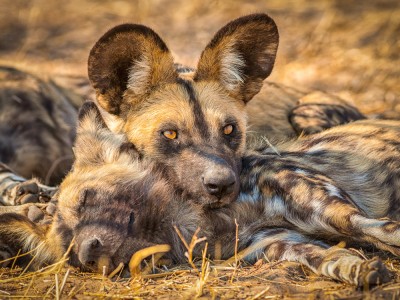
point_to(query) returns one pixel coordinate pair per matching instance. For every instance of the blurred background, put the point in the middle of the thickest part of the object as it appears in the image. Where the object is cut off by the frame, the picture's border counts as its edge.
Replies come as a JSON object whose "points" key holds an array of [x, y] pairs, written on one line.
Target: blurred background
{"points": [[347, 47]]}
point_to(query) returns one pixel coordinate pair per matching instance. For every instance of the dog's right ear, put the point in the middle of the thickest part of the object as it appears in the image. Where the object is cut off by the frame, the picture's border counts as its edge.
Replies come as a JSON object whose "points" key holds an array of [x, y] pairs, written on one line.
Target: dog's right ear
{"points": [[128, 59]]}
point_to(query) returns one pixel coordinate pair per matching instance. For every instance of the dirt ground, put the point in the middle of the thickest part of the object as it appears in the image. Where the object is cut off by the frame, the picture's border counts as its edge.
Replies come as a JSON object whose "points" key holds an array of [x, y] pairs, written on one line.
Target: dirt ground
{"points": [[282, 280], [346, 47]]}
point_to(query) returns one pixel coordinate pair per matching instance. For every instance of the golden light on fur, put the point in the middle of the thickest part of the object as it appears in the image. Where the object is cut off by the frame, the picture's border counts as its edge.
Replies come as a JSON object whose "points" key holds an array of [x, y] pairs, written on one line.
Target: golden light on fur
{"points": [[306, 59]]}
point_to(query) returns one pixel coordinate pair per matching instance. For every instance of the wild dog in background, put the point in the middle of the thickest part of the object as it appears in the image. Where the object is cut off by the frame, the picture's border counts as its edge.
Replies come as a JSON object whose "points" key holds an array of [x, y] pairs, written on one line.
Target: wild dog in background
{"points": [[37, 130], [113, 203]]}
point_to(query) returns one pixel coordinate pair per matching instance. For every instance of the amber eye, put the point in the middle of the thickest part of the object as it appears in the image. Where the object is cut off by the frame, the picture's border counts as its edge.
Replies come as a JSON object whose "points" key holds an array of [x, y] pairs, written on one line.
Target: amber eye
{"points": [[170, 134], [228, 129]]}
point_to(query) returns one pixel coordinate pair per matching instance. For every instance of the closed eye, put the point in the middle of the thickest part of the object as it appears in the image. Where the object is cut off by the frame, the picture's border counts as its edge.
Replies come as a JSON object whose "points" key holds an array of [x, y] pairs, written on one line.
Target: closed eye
{"points": [[84, 199], [131, 222]]}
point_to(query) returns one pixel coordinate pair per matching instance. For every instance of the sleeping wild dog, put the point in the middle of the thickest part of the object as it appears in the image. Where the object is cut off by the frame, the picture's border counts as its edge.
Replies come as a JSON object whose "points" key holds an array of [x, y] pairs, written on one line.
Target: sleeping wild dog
{"points": [[192, 121], [291, 206]]}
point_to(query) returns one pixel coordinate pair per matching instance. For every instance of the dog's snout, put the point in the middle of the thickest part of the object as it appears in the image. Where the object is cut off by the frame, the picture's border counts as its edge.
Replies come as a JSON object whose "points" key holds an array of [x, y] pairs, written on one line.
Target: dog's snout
{"points": [[219, 181], [90, 252]]}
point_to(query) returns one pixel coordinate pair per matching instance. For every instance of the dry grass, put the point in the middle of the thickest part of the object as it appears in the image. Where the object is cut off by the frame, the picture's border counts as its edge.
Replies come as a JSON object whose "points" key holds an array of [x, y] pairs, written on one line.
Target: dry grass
{"points": [[210, 280], [349, 48]]}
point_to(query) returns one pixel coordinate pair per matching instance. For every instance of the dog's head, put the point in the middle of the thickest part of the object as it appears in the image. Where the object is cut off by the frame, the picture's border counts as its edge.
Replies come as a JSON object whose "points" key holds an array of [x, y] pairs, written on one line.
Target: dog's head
{"points": [[113, 204], [195, 125]]}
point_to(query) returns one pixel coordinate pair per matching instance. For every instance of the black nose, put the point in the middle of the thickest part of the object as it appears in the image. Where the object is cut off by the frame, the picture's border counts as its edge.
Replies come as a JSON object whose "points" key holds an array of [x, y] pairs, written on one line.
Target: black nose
{"points": [[89, 252], [219, 181]]}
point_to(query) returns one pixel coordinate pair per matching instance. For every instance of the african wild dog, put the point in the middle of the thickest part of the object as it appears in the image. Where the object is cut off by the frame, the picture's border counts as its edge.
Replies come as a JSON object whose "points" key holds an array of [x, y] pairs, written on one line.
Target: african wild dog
{"points": [[113, 203], [194, 123], [198, 123], [145, 95]]}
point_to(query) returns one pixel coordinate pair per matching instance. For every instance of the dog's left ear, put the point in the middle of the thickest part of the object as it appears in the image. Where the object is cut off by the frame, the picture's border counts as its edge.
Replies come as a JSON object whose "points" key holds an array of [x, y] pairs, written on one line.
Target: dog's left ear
{"points": [[90, 119], [95, 143], [241, 55]]}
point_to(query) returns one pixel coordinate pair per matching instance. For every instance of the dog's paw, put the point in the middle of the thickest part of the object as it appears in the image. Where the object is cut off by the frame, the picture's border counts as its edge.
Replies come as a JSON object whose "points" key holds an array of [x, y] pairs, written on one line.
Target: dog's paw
{"points": [[373, 272], [29, 191], [314, 118], [26, 192]]}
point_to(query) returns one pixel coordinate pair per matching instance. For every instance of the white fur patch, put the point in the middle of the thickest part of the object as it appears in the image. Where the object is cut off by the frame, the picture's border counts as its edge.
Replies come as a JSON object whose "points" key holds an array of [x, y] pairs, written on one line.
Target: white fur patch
{"points": [[11, 176], [139, 75], [315, 149], [301, 172], [231, 64], [113, 122], [274, 207], [333, 190]]}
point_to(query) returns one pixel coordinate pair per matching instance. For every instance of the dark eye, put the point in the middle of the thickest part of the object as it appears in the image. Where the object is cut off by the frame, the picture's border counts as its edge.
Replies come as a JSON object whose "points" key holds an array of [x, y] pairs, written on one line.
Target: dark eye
{"points": [[170, 134], [228, 129]]}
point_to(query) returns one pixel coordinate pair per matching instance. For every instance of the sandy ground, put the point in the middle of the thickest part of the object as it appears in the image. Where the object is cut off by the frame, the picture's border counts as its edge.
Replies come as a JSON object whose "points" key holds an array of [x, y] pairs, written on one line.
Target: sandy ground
{"points": [[347, 47]]}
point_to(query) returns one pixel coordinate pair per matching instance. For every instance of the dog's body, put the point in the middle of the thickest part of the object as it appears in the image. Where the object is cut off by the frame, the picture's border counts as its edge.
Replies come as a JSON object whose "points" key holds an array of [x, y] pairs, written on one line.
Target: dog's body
{"points": [[112, 204]]}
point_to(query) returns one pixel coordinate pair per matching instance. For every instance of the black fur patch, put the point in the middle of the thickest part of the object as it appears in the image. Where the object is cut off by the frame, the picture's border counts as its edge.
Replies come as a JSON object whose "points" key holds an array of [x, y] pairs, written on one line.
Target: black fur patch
{"points": [[198, 113]]}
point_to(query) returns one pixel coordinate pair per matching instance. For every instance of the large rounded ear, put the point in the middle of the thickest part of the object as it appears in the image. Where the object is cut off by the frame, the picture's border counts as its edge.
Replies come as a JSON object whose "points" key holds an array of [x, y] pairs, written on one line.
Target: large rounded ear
{"points": [[241, 55], [132, 58]]}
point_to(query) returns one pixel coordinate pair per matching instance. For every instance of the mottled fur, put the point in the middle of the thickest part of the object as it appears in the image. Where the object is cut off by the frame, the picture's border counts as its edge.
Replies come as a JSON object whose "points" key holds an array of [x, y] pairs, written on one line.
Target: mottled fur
{"points": [[113, 204]]}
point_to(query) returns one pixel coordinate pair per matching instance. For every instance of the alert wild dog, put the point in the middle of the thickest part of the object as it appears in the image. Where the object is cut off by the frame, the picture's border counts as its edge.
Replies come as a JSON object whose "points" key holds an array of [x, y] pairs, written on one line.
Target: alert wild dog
{"points": [[194, 121], [114, 203]]}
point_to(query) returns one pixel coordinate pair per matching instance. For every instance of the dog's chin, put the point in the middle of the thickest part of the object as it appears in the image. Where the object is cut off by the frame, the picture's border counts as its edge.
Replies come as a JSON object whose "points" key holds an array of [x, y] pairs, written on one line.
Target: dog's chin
{"points": [[224, 201], [214, 205]]}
